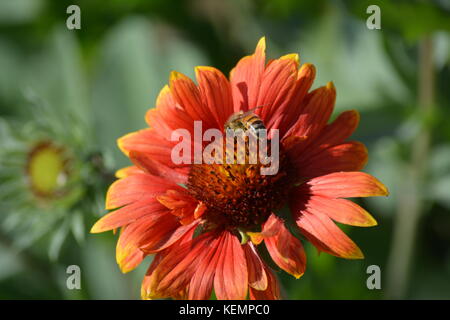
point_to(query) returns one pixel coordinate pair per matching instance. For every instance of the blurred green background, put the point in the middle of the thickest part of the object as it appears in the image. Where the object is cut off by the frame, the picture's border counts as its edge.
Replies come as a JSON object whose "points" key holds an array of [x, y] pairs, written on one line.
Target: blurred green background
{"points": [[85, 88]]}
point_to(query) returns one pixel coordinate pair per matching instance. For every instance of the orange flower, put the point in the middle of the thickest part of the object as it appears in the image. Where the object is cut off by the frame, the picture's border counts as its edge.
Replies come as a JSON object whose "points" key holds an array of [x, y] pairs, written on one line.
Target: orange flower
{"points": [[197, 218]]}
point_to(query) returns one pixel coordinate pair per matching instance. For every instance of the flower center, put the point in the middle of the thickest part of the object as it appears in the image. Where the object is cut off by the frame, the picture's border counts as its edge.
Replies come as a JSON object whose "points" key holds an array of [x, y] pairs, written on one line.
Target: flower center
{"points": [[46, 169], [239, 196]]}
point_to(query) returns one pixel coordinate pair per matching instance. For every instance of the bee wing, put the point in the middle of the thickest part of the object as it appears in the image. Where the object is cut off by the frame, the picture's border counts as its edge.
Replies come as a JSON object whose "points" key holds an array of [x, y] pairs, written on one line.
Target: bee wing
{"points": [[241, 114], [249, 112]]}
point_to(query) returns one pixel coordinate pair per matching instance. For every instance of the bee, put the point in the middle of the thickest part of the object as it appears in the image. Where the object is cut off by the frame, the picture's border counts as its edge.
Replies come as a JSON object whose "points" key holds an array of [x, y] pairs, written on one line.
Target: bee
{"points": [[246, 121]]}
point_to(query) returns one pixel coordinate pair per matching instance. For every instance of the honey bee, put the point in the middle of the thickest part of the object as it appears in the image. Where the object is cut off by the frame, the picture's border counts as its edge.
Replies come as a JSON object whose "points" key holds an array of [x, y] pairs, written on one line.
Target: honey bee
{"points": [[245, 121]]}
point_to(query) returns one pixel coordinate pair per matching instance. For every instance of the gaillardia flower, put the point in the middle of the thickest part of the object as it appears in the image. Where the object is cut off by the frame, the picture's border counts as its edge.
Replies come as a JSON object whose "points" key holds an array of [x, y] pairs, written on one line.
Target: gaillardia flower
{"points": [[43, 178], [207, 223]]}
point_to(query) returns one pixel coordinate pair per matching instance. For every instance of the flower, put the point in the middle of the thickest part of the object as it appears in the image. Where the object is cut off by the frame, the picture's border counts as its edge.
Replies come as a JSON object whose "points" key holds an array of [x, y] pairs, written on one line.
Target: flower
{"points": [[197, 218], [43, 178]]}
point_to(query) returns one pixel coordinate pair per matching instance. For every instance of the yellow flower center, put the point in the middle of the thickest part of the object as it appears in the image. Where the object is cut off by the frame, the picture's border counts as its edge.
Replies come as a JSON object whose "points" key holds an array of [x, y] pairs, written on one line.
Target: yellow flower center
{"points": [[46, 170]]}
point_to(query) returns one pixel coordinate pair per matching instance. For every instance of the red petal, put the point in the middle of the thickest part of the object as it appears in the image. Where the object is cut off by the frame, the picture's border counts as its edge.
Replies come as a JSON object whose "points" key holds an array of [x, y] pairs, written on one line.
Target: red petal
{"points": [[314, 116], [305, 79], [273, 289], [246, 78], [323, 233], [257, 277], [143, 161], [149, 230], [127, 171], [146, 140], [176, 270], [347, 185], [186, 93], [135, 188], [286, 250], [231, 280], [127, 215], [149, 289], [215, 91], [339, 130], [168, 115], [277, 83], [341, 210], [181, 204], [201, 284], [349, 156]]}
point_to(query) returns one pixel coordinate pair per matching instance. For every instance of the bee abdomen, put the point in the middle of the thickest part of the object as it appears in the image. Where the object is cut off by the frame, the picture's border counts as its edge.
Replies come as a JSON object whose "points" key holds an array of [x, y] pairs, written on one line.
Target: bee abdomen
{"points": [[255, 124]]}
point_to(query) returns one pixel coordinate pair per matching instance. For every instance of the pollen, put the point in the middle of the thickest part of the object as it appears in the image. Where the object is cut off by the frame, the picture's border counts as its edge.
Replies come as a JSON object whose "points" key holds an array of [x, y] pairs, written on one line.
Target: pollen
{"points": [[239, 196]]}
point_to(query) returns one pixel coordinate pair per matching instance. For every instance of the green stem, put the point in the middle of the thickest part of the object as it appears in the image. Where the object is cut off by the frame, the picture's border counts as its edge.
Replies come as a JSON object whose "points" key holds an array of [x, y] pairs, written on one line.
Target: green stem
{"points": [[410, 201]]}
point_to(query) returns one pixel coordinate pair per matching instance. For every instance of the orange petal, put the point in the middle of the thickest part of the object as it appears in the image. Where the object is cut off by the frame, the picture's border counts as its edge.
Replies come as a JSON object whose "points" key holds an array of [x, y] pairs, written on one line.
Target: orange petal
{"points": [[231, 279], [135, 188], [127, 171], [339, 130], [314, 115], [148, 141], [323, 233], [126, 215], [273, 289], [168, 115], [277, 82], [341, 210], [270, 229], [200, 210], [201, 284], [187, 95], [246, 78], [286, 250], [215, 91], [154, 231], [305, 78], [144, 162], [149, 230], [347, 185], [148, 287], [176, 270], [158, 269], [257, 277], [180, 203], [348, 156]]}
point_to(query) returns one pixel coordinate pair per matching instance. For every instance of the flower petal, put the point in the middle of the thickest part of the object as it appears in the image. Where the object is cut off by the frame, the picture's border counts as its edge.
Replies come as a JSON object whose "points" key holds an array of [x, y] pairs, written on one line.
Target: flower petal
{"points": [[347, 185], [148, 141], [314, 115], [277, 82], [246, 78], [339, 130], [127, 171], [155, 168], [148, 230], [176, 270], [137, 187], [187, 95], [341, 210], [323, 233], [127, 215], [201, 284], [349, 156], [168, 115], [273, 289], [286, 250], [231, 279], [180, 203], [149, 288], [257, 277], [215, 92]]}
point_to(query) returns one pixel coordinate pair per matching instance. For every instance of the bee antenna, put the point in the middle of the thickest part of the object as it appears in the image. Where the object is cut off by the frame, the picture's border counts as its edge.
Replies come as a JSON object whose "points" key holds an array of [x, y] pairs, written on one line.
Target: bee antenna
{"points": [[257, 107]]}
